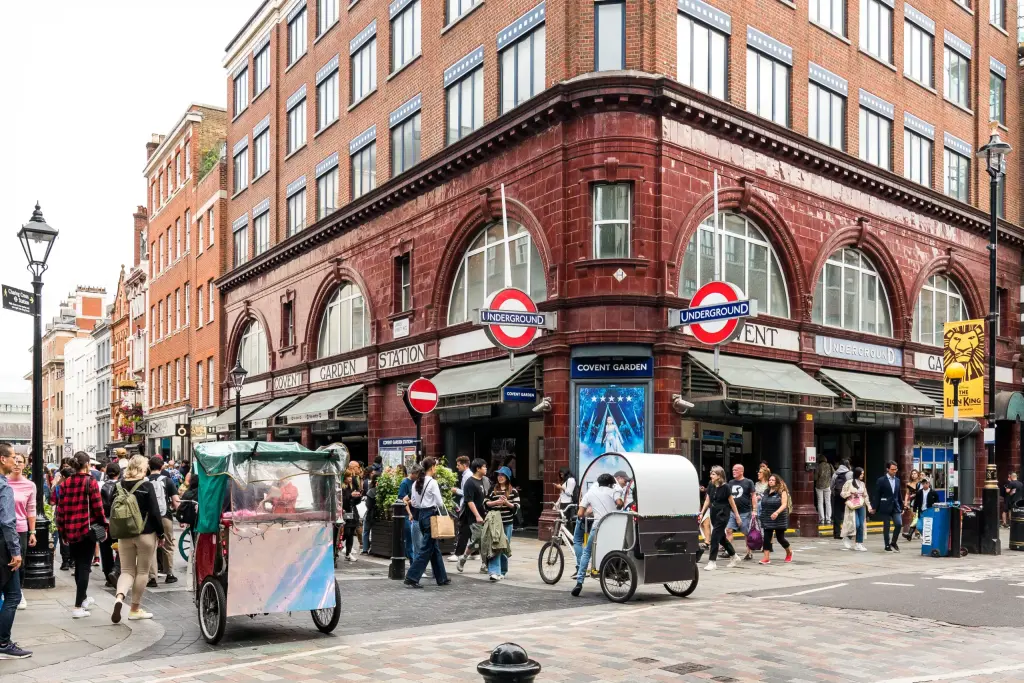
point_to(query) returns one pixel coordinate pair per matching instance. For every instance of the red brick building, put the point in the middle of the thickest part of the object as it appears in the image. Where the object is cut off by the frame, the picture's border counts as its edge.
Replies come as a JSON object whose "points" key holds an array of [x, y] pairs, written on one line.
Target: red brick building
{"points": [[368, 148], [185, 177]]}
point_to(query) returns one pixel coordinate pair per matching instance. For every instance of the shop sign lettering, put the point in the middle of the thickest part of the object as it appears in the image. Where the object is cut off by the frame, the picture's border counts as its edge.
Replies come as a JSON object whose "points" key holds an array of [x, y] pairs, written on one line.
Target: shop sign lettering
{"points": [[927, 362], [284, 382], [396, 358], [583, 368], [766, 336], [339, 370], [858, 351]]}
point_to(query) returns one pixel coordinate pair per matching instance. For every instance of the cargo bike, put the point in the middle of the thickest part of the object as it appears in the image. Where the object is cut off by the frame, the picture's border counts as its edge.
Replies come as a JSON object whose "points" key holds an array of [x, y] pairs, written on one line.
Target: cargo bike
{"points": [[264, 535], [654, 538]]}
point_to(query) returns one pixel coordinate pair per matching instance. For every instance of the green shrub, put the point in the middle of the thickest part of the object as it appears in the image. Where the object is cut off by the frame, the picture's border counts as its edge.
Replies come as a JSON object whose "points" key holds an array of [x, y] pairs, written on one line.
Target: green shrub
{"points": [[389, 481]]}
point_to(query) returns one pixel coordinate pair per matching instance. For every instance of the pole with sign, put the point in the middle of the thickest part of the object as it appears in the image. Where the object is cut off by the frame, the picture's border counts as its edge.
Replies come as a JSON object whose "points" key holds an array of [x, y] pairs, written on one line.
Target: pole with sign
{"points": [[18, 300], [716, 314], [420, 398]]}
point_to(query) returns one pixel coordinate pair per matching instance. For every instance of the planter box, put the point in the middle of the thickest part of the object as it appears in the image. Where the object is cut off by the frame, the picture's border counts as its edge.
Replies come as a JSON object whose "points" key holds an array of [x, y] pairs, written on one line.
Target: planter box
{"points": [[380, 540]]}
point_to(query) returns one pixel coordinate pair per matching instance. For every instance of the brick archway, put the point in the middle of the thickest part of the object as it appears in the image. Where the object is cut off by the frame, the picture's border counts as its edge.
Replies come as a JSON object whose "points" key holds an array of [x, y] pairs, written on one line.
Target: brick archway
{"points": [[956, 271], [248, 315], [338, 276], [746, 201]]}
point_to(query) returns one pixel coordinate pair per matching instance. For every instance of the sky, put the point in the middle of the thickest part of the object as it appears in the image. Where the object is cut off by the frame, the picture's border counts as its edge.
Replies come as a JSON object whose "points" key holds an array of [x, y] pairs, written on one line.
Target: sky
{"points": [[85, 84]]}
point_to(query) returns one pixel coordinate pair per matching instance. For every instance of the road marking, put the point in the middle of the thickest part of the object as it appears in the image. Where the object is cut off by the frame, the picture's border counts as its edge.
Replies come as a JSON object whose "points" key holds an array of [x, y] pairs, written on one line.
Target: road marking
{"points": [[613, 615], [960, 590], [956, 674], [806, 592], [885, 583]]}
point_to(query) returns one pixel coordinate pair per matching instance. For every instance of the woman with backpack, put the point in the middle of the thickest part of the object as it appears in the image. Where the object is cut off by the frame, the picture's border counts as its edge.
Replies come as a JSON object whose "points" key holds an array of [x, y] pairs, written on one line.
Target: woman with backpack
{"points": [[136, 524]]}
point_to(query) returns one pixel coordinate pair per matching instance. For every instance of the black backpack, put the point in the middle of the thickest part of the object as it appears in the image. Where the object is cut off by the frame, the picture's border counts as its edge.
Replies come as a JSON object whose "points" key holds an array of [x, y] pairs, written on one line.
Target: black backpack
{"points": [[188, 508], [838, 482]]}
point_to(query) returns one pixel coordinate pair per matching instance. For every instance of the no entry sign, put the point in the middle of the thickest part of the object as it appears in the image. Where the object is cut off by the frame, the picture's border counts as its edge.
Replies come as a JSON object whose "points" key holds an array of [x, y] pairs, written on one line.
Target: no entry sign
{"points": [[715, 314], [512, 319], [422, 395]]}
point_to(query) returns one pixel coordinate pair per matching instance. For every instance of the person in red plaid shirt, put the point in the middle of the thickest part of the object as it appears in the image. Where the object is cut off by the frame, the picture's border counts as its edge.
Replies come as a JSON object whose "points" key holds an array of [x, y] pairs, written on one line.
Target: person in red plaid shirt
{"points": [[80, 507]]}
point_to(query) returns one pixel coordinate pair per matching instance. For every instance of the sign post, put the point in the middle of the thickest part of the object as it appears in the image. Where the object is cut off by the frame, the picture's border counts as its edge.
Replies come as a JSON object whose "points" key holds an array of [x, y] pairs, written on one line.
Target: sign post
{"points": [[716, 314], [18, 300], [420, 398]]}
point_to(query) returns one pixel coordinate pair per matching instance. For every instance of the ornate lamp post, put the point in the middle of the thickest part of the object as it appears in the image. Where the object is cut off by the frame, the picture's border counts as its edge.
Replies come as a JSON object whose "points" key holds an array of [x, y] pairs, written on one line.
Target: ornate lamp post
{"points": [[36, 240], [994, 153], [236, 378]]}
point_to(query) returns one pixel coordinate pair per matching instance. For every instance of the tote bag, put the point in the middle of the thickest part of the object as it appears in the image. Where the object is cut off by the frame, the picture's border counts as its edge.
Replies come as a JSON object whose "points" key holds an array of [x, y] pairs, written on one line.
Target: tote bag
{"points": [[442, 525]]}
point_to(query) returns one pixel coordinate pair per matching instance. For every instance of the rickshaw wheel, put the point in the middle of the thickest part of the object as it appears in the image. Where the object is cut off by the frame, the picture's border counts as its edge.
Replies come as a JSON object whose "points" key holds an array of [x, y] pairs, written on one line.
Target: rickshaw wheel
{"points": [[185, 545], [212, 610], [681, 589], [326, 619], [551, 563], [618, 576]]}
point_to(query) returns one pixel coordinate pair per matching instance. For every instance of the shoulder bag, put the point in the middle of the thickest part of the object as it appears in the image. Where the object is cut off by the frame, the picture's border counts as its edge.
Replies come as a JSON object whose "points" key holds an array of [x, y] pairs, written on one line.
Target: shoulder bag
{"points": [[441, 526]]}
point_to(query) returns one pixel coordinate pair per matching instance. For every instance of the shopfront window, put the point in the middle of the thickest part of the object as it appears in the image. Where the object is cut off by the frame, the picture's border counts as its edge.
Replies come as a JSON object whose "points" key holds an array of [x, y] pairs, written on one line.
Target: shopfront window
{"points": [[939, 302], [747, 261], [346, 324], [252, 349], [850, 295], [494, 253]]}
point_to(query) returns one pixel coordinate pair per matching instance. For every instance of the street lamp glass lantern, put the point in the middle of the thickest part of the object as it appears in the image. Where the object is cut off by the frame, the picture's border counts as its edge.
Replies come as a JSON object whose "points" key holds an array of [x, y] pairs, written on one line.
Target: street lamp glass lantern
{"points": [[37, 239], [237, 376], [994, 153]]}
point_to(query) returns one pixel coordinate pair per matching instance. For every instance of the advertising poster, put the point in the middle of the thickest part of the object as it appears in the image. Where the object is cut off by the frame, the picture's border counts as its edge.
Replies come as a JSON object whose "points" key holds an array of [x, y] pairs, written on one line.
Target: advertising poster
{"points": [[610, 418], [964, 342]]}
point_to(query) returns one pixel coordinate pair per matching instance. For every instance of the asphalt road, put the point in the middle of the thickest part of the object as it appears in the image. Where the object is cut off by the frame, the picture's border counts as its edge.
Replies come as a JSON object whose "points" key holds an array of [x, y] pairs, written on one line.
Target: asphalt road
{"points": [[947, 591]]}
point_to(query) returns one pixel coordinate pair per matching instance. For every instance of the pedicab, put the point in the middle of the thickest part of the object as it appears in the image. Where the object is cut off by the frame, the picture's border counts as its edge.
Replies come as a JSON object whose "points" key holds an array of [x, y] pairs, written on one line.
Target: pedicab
{"points": [[654, 539], [264, 536]]}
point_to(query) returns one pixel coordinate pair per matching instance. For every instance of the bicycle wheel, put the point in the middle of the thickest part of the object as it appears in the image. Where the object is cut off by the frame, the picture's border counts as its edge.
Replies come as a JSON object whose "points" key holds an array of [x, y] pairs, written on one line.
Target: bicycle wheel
{"points": [[185, 545], [551, 563]]}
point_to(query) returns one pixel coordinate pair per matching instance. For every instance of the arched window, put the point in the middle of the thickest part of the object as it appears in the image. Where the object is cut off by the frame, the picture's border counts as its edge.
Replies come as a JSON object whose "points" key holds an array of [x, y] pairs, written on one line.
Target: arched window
{"points": [[252, 349], [939, 302], [496, 258], [850, 295], [747, 261], [345, 325]]}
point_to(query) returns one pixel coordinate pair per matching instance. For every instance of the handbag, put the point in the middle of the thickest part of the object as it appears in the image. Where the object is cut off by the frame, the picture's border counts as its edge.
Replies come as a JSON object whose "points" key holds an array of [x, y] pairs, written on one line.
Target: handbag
{"points": [[98, 532], [442, 526], [755, 539]]}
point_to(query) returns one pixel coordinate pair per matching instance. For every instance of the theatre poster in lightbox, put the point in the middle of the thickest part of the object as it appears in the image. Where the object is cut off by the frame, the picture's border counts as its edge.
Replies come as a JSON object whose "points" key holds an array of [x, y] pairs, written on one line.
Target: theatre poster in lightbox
{"points": [[611, 418]]}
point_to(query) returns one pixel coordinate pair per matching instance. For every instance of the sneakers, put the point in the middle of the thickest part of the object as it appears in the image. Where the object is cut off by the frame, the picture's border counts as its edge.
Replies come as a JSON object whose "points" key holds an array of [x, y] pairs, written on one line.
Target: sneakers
{"points": [[364, 552], [79, 613], [734, 562], [349, 558], [860, 547], [411, 584], [12, 651], [895, 547], [847, 545], [495, 577], [453, 558], [888, 548], [88, 602], [483, 569], [789, 557], [64, 567], [461, 563], [577, 589], [95, 561], [764, 562], [711, 566], [23, 604], [137, 614], [151, 584], [115, 616], [748, 556], [171, 579]]}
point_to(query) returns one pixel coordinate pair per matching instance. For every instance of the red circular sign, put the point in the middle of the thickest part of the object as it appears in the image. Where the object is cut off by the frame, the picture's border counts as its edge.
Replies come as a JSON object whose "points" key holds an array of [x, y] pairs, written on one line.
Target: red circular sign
{"points": [[720, 331], [422, 395], [513, 337]]}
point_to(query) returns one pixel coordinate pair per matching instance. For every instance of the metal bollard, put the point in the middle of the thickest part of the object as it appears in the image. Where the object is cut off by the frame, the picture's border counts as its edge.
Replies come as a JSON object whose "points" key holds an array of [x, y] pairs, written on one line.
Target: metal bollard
{"points": [[509, 663], [398, 518]]}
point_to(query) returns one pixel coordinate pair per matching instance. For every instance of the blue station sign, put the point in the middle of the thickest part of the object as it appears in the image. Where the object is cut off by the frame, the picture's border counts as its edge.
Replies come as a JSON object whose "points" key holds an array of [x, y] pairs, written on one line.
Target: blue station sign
{"points": [[612, 368], [490, 316], [714, 313], [519, 395]]}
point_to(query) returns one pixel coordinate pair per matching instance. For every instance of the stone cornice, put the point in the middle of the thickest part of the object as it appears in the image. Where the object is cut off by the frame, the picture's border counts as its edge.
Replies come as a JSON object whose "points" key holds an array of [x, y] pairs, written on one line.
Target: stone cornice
{"points": [[623, 91]]}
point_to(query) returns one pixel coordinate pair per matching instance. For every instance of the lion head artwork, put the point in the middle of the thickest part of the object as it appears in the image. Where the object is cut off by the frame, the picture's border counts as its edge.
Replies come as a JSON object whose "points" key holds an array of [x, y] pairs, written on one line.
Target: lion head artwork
{"points": [[965, 343]]}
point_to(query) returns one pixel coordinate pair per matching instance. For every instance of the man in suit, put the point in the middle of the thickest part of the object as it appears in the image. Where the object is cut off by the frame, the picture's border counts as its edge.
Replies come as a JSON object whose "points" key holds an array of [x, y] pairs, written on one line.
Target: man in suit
{"points": [[887, 501]]}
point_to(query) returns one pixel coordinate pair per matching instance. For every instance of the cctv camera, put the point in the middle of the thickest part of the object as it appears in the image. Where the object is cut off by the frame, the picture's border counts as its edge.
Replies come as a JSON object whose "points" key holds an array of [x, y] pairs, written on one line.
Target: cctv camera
{"points": [[544, 406], [679, 404]]}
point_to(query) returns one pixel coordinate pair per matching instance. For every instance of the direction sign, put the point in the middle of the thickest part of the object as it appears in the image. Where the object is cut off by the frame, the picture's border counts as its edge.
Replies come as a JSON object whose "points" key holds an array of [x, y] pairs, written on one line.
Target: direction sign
{"points": [[512, 320], [422, 395], [19, 300], [716, 313]]}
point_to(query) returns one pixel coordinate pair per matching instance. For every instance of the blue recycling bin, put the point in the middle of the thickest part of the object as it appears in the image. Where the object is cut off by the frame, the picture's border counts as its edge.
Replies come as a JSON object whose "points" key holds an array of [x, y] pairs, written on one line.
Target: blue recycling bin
{"points": [[935, 531]]}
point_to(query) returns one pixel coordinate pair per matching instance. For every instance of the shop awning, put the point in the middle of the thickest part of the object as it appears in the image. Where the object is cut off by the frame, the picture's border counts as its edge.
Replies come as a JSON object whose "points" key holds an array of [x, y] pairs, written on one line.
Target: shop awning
{"points": [[752, 380], [1009, 405], [225, 422], [264, 417], [482, 383], [877, 393], [322, 405]]}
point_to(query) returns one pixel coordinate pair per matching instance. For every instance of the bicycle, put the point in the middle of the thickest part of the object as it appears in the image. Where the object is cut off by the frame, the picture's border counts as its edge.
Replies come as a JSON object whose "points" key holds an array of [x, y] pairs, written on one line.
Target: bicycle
{"points": [[551, 561]]}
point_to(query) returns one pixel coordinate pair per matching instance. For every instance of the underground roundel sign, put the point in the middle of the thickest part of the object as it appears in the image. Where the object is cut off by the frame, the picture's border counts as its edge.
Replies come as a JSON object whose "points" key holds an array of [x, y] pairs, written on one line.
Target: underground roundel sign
{"points": [[716, 313], [512, 319], [422, 395]]}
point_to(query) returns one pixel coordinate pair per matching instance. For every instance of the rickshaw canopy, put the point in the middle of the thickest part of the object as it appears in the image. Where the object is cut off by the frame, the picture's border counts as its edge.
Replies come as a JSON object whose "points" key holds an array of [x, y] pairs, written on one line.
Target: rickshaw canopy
{"points": [[662, 484], [251, 462]]}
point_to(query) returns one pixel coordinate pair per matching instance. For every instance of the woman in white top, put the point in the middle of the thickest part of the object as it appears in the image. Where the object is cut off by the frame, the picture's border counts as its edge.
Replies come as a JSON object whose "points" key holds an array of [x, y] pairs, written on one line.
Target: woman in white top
{"points": [[426, 499]]}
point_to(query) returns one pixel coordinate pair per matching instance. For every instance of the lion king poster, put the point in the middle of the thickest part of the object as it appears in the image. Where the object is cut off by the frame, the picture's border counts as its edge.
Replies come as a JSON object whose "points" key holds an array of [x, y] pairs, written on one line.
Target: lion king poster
{"points": [[964, 341]]}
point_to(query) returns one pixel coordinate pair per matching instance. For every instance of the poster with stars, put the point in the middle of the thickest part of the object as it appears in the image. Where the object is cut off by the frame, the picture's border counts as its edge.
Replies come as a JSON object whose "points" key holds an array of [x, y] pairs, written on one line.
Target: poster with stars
{"points": [[610, 418]]}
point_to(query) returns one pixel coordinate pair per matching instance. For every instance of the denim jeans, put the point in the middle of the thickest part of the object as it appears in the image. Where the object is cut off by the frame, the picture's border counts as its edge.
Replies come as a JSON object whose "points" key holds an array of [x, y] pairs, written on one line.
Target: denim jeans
{"points": [[860, 516], [429, 552], [411, 547], [577, 539], [499, 563], [367, 523], [12, 598], [588, 549]]}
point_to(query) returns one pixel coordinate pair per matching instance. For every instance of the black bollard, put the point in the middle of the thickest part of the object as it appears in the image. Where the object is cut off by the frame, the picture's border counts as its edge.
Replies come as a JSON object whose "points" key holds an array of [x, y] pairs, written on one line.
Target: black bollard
{"points": [[509, 663], [399, 515]]}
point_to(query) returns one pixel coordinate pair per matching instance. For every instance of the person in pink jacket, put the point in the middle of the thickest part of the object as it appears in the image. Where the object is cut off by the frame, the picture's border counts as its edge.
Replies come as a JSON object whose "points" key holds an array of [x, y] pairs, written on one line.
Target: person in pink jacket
{"points": [[24, 511]]}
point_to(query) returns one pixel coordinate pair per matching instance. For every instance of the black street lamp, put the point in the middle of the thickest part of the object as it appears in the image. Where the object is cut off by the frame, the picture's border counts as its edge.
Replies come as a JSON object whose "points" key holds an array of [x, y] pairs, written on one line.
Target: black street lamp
{"points": [[994, 153], [237, 378], [36, 240]]}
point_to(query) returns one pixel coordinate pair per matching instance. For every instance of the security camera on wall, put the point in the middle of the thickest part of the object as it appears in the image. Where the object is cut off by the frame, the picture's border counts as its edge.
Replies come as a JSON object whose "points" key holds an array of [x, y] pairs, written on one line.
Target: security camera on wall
{"points": [[544, 406], [679, 404]]}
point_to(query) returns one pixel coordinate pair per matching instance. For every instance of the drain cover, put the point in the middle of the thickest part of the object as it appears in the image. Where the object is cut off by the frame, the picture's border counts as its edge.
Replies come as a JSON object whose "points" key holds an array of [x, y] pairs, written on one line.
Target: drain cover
{"points": [[724, 679], [685, 668], [645, 660]]}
